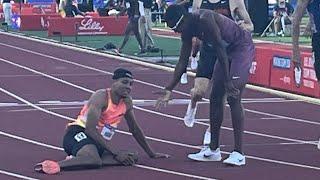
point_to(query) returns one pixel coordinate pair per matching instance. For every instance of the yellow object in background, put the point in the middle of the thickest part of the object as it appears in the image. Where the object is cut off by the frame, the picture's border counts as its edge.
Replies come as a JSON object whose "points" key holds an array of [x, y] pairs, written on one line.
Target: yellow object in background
{"points": [[62, 13]]}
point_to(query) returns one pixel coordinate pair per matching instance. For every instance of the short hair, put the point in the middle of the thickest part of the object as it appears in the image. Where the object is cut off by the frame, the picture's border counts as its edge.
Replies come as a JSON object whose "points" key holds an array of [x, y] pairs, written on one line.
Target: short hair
{"points": [[173, 14], [121, 73]]}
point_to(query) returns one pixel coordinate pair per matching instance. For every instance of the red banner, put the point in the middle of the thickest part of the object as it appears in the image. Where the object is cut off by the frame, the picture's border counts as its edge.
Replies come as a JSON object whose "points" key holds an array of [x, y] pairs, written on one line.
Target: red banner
{"points": [[260, 68], [37, 22], [110, 25]]}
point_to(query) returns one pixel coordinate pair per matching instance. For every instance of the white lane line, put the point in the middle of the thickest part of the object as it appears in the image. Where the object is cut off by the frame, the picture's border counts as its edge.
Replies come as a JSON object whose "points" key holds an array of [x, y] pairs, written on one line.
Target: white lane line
{"points": [[271, 118], [161, 140], [71, 119], [143, 109], [283, 117], [307, 99], [65, 75], [30, 141], [61, 108], [16, 175]]}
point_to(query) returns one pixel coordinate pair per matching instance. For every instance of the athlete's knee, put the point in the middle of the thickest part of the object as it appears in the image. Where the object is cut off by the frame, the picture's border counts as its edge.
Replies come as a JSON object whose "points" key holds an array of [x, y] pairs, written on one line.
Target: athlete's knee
{"points": [[200, 87], [234, 101]]}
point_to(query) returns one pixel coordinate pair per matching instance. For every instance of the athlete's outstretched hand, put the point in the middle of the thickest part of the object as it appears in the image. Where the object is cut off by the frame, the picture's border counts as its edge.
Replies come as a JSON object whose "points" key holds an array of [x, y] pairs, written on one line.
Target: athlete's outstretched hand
{"points": [[163, 99]]}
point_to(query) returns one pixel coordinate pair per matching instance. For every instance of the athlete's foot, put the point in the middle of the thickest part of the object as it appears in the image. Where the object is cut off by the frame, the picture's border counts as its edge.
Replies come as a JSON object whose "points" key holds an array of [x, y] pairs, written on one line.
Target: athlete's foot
{"points": [[189, 119], [194, 63], [184, 78], [206, 154], [142, 52], [236, 159], [47, 167], [117, 51]]}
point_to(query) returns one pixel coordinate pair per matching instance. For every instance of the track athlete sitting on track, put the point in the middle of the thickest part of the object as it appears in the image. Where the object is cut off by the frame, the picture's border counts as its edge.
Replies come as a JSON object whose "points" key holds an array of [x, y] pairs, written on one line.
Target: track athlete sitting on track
{"points": [[235, 51], [87, 139]]}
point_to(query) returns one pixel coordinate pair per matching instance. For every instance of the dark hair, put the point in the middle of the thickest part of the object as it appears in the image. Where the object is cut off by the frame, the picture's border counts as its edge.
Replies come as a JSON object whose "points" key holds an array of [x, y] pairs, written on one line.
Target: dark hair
{"points": [[173, 14], [121, 73]]}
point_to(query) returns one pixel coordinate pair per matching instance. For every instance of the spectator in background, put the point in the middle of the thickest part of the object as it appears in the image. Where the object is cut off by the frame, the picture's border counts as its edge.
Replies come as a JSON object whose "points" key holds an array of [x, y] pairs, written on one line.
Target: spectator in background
{"points": [[134, 9], [57, 5], [281, 13], [71, 9], [7, 10], [85, 5], [146, 27]]}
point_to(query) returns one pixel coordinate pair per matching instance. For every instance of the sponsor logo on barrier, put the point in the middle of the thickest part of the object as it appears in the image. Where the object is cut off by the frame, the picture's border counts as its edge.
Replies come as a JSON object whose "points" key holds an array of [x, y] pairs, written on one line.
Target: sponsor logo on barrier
{"points": [[308, 83], [281, 62], [286, 79], [308, 62], [90, 25], [253, 67]]}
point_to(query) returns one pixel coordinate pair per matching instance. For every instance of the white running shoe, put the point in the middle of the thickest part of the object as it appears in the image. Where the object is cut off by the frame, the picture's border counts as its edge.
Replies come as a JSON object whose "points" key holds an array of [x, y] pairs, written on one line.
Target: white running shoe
{"points": [[184, 78], [206, 154], [207, 138], [194, 63], [235, 158], [297, 76], [190, 117]]}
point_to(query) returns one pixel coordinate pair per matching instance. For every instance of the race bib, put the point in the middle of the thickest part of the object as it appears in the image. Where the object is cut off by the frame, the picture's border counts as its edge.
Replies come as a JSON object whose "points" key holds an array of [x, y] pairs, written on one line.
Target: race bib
{"points": [[80, 136], [107, 132]]}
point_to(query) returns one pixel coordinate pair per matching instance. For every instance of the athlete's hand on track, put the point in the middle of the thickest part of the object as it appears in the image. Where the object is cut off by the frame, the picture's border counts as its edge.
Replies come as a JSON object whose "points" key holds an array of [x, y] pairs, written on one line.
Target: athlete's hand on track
{"points": [[126, 158]]}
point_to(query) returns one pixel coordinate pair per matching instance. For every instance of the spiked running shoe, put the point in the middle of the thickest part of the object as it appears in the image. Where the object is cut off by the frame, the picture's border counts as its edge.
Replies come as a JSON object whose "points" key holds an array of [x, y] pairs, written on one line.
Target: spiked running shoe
{"points": [[47, 167]]}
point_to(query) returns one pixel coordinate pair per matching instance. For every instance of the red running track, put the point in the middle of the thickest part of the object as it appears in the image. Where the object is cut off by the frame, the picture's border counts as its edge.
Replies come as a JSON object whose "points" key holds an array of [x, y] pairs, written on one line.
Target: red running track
{"points": [[276, 129]]}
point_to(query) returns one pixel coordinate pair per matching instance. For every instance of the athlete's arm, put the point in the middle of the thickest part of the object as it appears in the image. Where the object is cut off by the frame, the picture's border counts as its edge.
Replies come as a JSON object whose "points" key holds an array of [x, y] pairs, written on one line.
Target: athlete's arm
{"points": [[297, 16], [238, 11], [182, 64], [136, 131], [95, 105]]}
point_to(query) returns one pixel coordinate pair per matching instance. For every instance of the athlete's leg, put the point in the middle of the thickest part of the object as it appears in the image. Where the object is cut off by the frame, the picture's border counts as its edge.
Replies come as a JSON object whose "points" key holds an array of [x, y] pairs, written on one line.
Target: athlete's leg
{"points": [[127, 32], [135, 29], [316, 51], [86, 158], [217, 104]]}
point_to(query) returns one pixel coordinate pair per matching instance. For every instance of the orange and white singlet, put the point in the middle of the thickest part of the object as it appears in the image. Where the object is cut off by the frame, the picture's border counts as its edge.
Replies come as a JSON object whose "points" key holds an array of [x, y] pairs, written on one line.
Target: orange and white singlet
{"points": [[109, 119]]}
